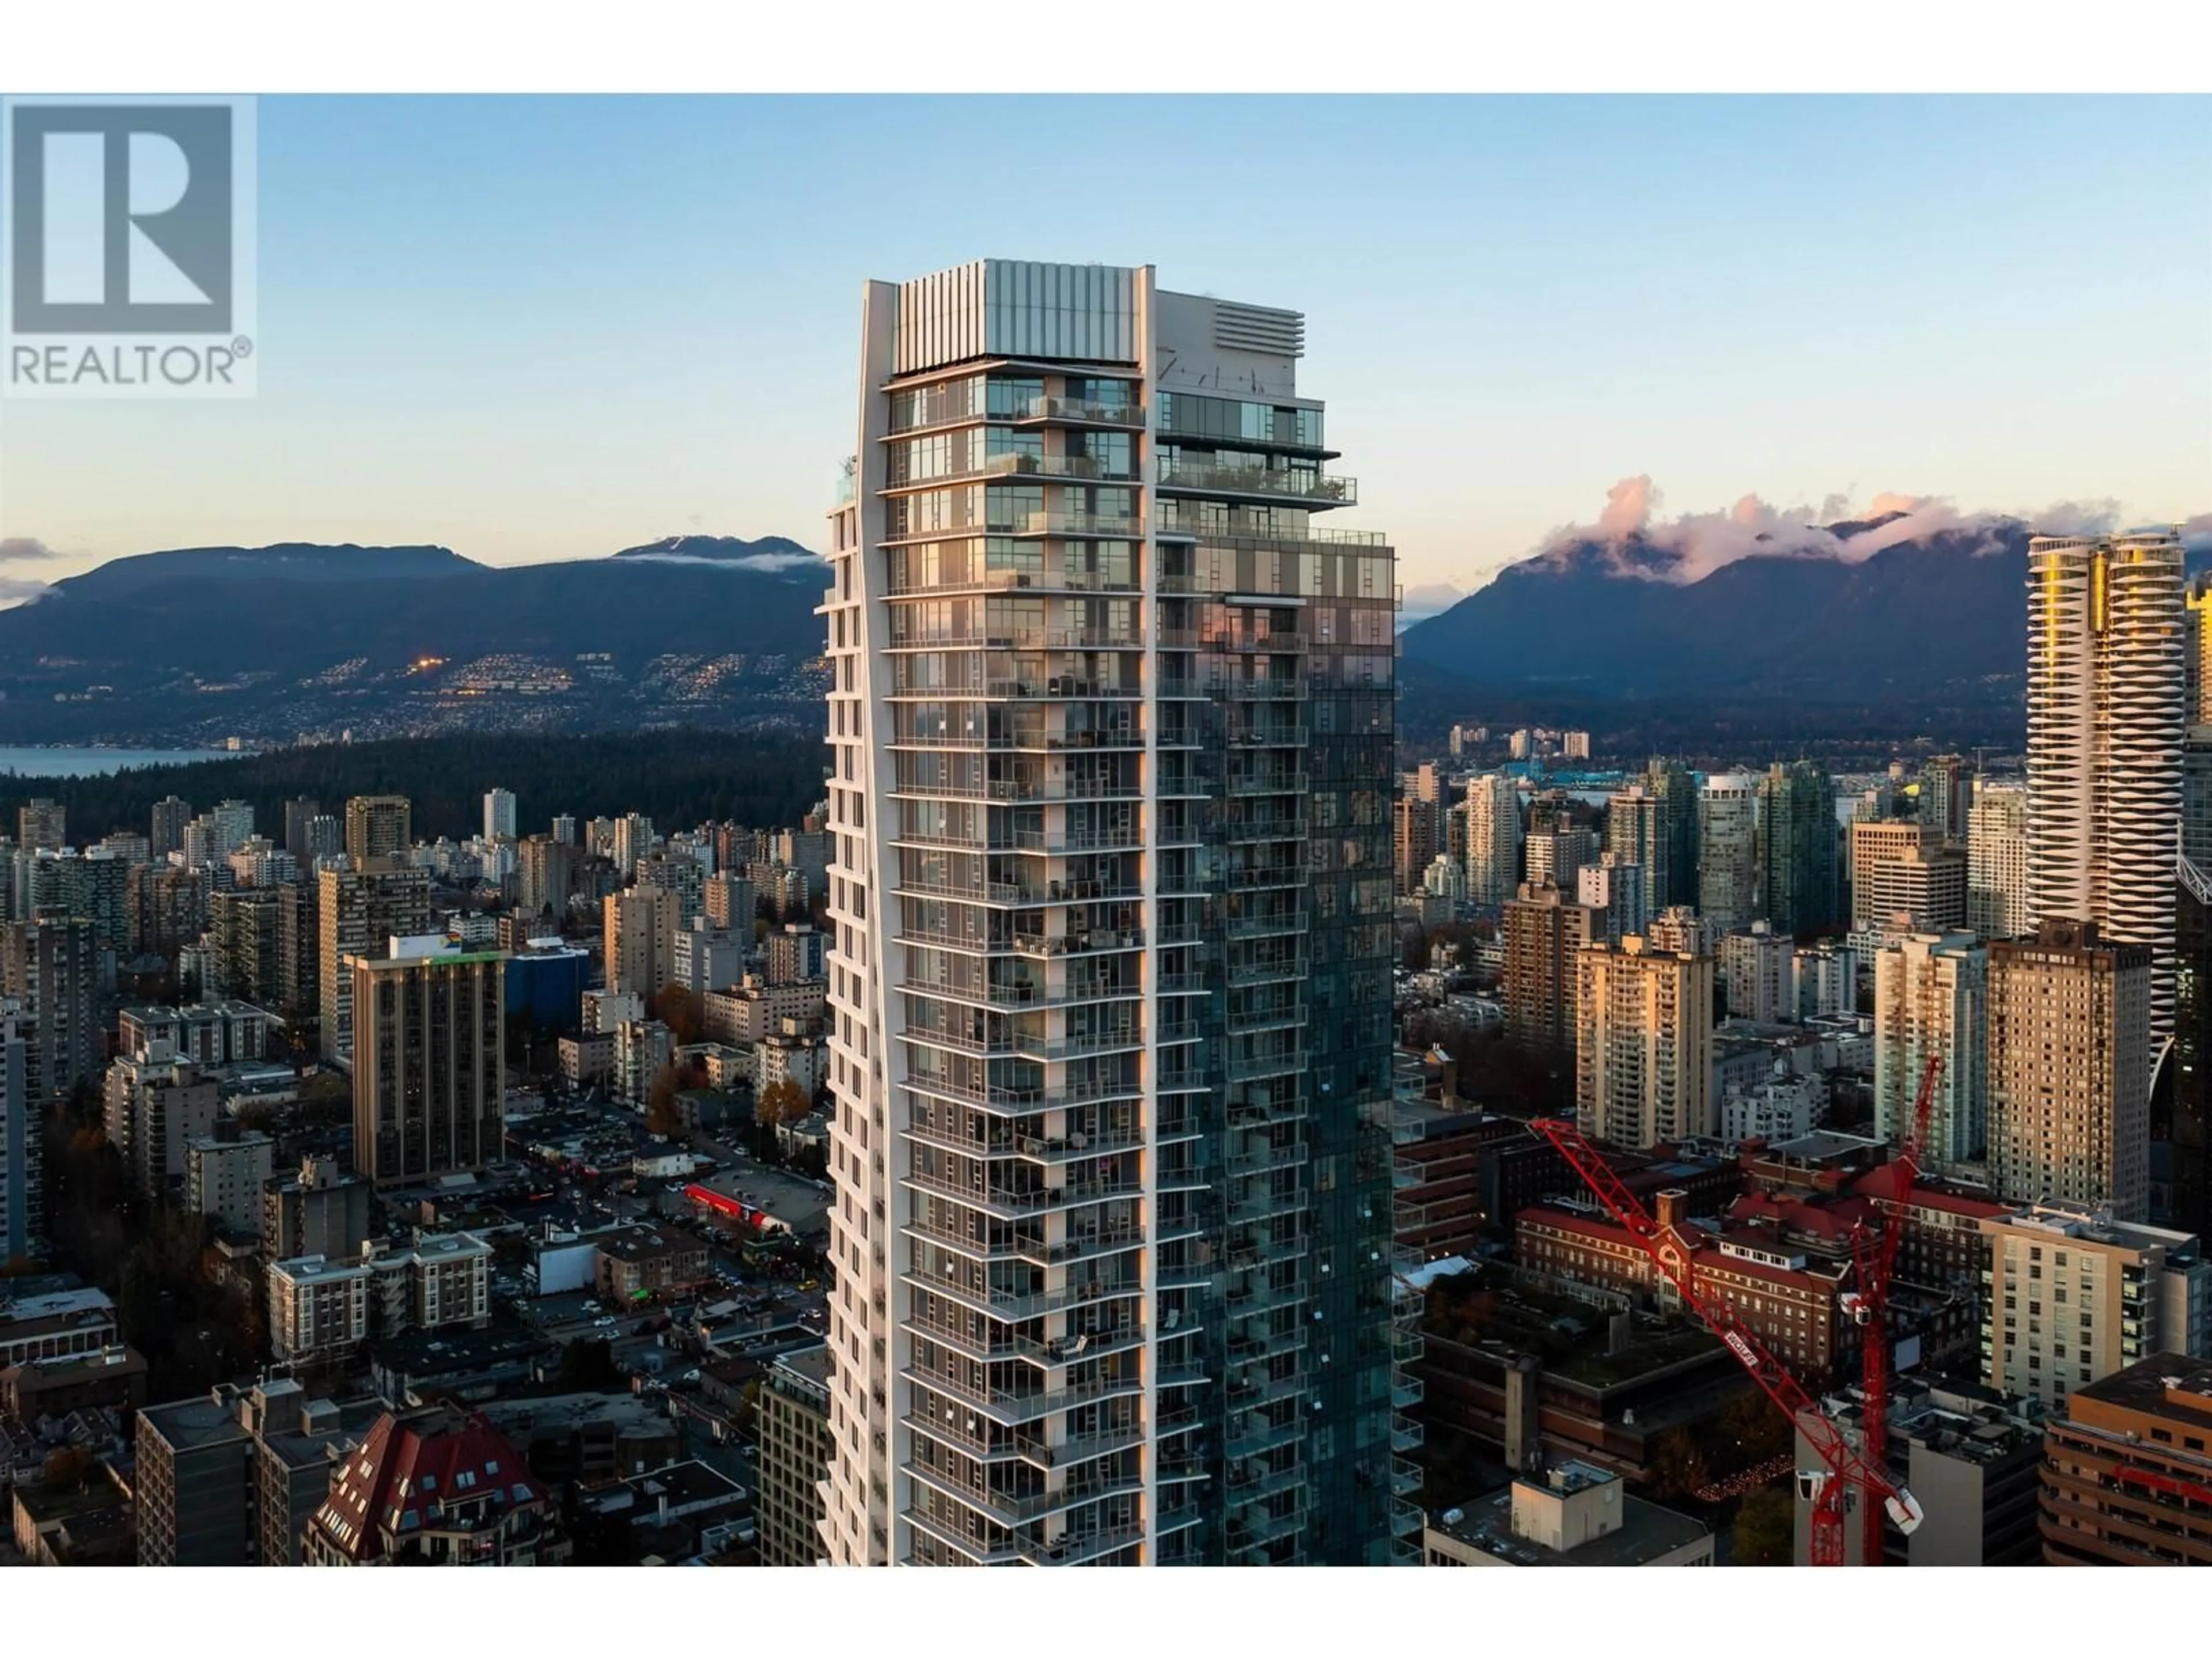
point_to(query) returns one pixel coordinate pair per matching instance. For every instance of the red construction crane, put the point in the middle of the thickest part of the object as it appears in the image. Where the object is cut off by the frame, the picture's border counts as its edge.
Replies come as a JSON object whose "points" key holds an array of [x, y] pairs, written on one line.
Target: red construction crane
{"points": [[1876, 1259], [1844, 1466]]}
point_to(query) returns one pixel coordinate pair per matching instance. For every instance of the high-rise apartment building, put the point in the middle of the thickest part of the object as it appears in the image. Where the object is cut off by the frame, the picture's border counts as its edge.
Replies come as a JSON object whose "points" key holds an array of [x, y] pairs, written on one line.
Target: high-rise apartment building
{"points": [[2068, 1069], [319, 1210], [1679, 927], [1899, 869], [793, 1457], [639, 924], [52, 969], [1644, 1049], [1418, 821], [1931, 997], [168, 906], [170, 815], [2106, 719], [545, 874], [631, 841], [1728, 850], [2075, 1296], [224, 1179], [1617, 887], [728, 902], [1557, 856], [1542, 931], [1110, 887], [41, 825], [1676, 792], [21, 1197], [157, 1104], [300, 815], [1797, 874], [1824, 979], [1947, 796], [1997, 863], [355, 911], [1493, 838], [1755, 967], [2181, 1125], [499, 815], [378, 827], [1636, 832], [429, 1053], [244, 924]]}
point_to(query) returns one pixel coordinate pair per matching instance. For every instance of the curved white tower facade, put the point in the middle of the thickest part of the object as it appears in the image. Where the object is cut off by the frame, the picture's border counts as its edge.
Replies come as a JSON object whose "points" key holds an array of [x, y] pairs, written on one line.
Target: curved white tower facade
{"points": [[2105, 722]]}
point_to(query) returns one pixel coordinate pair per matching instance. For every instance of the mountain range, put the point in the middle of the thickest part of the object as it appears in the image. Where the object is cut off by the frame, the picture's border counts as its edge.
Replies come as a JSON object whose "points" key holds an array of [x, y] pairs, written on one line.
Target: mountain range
{"points": [[292, 637], [1901, 620], [1939, 614]]}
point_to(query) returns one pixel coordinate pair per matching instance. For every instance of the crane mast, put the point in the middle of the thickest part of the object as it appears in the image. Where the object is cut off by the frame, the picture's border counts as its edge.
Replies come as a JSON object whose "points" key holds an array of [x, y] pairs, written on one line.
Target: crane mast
{"points": [[1876, 1261]]}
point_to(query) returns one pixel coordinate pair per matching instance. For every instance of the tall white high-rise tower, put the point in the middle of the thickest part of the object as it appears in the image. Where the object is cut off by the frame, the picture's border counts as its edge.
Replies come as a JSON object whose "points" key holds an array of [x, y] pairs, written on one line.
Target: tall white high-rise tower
{"points": [[1110, 885], [2106, 723]]}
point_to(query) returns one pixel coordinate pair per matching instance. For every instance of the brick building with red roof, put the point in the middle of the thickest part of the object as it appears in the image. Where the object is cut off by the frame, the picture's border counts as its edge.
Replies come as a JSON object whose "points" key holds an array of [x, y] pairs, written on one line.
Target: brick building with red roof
{"points": [[445, 1491]]}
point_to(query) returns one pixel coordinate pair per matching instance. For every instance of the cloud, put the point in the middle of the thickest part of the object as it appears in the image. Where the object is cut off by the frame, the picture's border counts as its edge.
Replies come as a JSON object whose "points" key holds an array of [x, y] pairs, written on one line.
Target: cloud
{"points": [[23, 549], [2096, 518], [770, 562], [1629, 506], [21, 589], [1634, 540]]}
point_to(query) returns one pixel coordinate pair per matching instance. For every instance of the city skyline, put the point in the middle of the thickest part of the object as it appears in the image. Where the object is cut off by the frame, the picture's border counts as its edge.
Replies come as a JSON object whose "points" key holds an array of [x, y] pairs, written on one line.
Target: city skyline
{"points": [[1680, 299]]}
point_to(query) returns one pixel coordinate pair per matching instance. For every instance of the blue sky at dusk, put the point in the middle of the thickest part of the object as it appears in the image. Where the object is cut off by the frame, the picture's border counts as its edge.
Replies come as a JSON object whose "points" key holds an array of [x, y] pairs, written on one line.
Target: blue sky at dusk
{"points": [[535, 328]]}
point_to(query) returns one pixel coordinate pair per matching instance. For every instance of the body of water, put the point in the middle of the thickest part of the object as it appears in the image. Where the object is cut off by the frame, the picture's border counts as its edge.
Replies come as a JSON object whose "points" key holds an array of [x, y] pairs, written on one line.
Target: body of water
{"points": [[61, 762]]}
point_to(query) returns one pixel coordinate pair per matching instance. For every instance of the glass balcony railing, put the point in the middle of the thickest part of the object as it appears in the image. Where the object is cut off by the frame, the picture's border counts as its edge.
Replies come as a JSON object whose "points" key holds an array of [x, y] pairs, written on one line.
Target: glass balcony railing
{"points": [[1058, 466], [1181, 472], [1076, 523], [1083, 412]]}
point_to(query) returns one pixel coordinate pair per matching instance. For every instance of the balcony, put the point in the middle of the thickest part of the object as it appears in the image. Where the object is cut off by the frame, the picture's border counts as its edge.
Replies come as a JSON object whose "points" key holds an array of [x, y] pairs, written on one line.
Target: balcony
{"points": [[1071, 945], [1250, 1485], [1264, 691], [1185, 474], [1047, 1050], [1008, 1509], [1265, 875], [1407, 1435], [1073, 1550], [1256, 1436], [1074, 524], [1054, 466], [1171, 525], [1004, 1144], [1007, 1408], [1015, 1306], [1271, 737], [1080, 1448], [1008, 1206], [1075, 411], [1271, 782]]}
